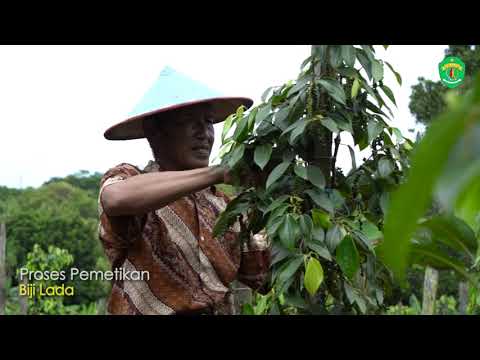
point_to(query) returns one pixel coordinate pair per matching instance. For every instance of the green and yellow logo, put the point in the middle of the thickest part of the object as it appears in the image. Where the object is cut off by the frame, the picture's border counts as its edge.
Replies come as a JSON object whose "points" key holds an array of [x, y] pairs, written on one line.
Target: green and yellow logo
{"points": [[452, 71]]}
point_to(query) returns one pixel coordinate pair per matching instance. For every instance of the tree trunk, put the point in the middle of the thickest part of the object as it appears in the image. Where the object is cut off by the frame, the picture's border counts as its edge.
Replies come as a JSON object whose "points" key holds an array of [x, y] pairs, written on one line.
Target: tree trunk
{"points": [[462, 298], [322, 147], [3, 269], [430, 286], [23, 300]]}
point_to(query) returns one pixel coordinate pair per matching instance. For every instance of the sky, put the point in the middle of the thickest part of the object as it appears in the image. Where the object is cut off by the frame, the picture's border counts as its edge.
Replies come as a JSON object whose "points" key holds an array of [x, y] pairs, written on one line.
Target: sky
{"points": [[57, 101]]}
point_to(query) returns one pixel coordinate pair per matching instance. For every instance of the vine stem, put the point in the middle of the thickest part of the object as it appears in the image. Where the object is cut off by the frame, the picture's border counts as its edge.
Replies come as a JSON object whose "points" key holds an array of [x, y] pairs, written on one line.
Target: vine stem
{"points": [[334, 159]]}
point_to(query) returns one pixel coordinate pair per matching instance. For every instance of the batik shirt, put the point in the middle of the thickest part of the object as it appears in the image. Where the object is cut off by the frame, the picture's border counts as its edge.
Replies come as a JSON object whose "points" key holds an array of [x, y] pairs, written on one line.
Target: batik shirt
{"points": [[189, 270]]}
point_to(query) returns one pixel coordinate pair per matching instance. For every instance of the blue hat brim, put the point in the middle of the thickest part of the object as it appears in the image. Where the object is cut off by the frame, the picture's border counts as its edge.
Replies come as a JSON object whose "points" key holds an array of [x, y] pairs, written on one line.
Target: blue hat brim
{"points": [[132, 128]]}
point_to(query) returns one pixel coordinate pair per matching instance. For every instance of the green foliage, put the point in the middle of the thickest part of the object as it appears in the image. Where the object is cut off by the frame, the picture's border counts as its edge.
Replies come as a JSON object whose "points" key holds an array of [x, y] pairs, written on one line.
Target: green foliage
{"points": [[54, 260], [315, 215], [83, 179], [429, 164], [61, 215], [444, 305], [414, 308]]}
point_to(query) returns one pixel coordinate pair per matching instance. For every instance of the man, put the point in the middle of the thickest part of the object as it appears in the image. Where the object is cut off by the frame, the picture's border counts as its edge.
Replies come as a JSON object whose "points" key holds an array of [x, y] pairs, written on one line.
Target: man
{"points": [[160, 219]]}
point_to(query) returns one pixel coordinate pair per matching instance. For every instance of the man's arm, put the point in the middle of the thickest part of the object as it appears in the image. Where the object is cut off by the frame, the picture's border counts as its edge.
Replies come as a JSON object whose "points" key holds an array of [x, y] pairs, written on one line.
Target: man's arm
{"points": [[146, 192]]}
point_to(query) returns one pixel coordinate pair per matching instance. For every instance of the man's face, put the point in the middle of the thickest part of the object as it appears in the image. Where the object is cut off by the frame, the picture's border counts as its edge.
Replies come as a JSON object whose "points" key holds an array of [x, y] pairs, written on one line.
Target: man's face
{"points": [[186, 139]]}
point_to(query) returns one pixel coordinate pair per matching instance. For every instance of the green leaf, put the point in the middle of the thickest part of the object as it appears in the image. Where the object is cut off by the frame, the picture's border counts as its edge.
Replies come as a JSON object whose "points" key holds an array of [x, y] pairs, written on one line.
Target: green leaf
{"points": [[335, 56], [337, 198], [385, 167], [318, 234], [355, 88], [368, 52], [361, 304], [453, 232], [379, 296], [334, 237], [276, 173], [334, 89], [352, 155], [247, 309], [330, 125], [306, 226], [347, 257], [279, 253], [299, 130], [305, 62], [229, 215], [398, 134], [372, 94], [290, 268], [226, 147], [387, 91], [427, 256], [321, 199], [276, 203], [266, 92], [365, 62], [348, 55], [467, 206], [411, 200], [241, 130], [321, 218], [261, 305], [377, 70], [348, 72], [263, 113], [273, 225], [313, 276], [343, 121], [281, 118], [274, 310], [262, 155], [288, 231], [251, 119], [237, 154], [350, 292], [301, 171], [363, 240], [374, 129], [299, 85], [315, 176], [227, 126], [293, 126], [397, 75], [296, 301], [320, 250], [371, 231]]}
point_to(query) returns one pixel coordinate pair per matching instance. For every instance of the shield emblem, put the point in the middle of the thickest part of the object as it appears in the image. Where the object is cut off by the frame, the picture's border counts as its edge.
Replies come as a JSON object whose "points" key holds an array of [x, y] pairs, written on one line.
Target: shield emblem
{"points": [[452, 71]]}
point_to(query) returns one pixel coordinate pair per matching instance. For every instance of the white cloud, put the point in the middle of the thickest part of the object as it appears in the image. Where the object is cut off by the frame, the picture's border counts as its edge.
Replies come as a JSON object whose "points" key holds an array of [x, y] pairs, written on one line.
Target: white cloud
{"points": [[56, 101]]}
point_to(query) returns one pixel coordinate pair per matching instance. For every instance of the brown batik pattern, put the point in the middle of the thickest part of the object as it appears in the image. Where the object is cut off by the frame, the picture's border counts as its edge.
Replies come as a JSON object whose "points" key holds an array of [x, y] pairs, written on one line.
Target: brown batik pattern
{"points": [[189, 269]]}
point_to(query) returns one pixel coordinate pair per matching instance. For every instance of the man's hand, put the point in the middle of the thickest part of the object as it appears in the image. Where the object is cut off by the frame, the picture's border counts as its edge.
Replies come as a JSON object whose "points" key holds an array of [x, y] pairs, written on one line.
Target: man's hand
{"points": [[243, 177]]}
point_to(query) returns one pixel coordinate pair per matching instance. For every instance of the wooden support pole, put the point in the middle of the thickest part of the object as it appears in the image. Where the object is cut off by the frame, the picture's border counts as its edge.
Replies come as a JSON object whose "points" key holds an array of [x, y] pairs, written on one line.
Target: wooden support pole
{"points": [[430, 286], [3, 268], [23, 300], [462, 298]]}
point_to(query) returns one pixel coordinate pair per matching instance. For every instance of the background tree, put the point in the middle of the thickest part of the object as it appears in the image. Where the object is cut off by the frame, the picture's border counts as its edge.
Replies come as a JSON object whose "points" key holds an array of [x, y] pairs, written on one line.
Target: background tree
{"points": [[62, 215], [427, 99]]}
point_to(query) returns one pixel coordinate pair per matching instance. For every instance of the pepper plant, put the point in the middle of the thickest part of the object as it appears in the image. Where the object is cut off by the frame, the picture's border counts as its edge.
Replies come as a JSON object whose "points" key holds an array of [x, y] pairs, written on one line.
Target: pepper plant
{"points": [[324, 225]]}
